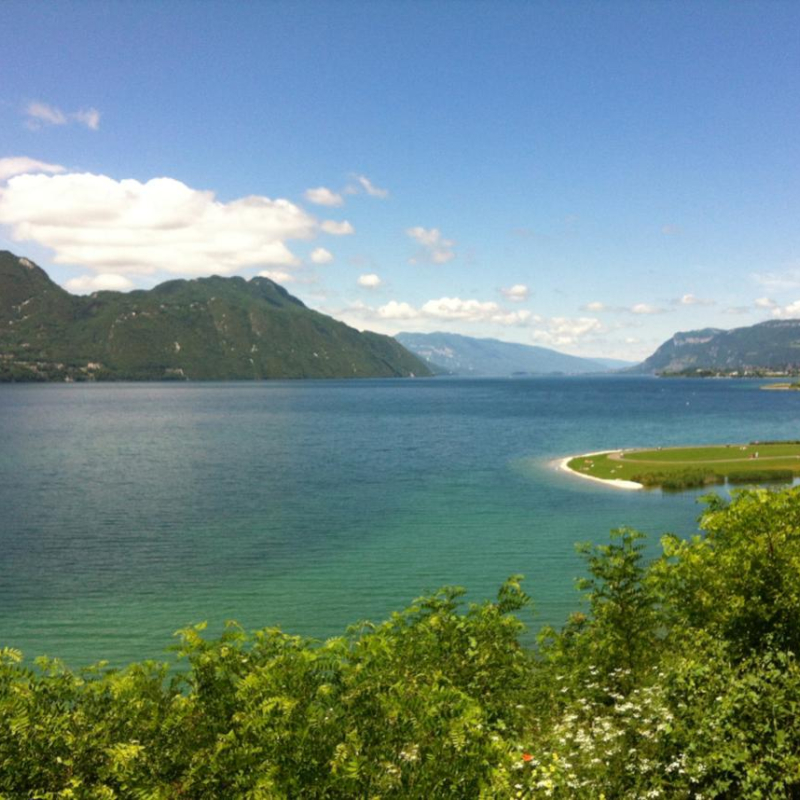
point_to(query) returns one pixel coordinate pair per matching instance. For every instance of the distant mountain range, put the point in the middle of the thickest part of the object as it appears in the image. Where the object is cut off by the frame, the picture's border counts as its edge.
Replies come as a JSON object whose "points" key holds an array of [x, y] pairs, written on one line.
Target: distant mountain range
{"points": [[453, 354], [205, 329], [772, 345]]}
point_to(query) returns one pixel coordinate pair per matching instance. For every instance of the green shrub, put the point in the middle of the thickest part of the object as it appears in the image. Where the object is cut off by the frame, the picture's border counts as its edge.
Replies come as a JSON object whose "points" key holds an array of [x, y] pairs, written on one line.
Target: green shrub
{"points": [[677, 481], [761, 476]]}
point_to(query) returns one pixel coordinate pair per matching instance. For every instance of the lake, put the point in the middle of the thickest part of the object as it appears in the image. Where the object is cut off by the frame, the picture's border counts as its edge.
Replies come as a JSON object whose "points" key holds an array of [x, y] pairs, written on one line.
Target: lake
{"points": [[130, 510]]}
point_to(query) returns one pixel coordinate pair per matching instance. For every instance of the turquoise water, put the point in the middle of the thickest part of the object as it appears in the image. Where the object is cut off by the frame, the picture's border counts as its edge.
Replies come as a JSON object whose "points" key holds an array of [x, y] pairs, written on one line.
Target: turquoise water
{"points": [[130, 510]]}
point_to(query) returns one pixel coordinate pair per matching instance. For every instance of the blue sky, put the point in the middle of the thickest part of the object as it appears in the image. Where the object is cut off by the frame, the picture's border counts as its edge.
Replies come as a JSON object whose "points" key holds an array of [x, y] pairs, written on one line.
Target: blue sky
{"points": [[586, 176]]}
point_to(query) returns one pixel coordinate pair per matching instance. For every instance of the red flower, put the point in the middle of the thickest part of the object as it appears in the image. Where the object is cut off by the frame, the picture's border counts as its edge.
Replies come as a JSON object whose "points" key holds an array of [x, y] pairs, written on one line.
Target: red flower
{"points": [[527, 757]]}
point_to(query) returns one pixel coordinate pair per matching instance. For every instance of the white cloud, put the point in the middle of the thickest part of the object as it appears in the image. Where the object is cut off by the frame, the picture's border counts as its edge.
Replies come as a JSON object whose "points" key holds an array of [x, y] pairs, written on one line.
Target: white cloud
{"points": [[322, 196], [434, 247], [454, 309], [20, 165], [765, 302], [337, 228], [86, 284], [89, 117], [41, 114], [373, 191], [449, 309], [566, 331], [128, 227], [692, 300], [371, 281], [516, 293], [321, 256], [791, 311], [277, 275], [394, 310], [645, 308], [595, 306]]}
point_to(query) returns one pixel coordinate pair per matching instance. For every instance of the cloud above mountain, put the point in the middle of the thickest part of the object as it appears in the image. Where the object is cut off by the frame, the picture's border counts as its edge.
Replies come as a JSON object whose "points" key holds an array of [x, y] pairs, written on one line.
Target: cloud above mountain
{"points": [[129, 227]]}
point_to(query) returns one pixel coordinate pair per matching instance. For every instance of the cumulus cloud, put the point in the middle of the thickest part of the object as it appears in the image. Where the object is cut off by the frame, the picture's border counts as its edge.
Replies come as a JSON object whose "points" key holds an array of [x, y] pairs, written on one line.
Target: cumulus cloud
{"points": [[128, 227], [334, 228], [86, 284], [595, 306], [19, 165], [434, 247], [371, 281], [516, 293], [565, 330], [393, 310], [282, 277], [765, 302], [431, 313], [792, 311], [322, 196], [277, 275], [38, 115], [453, 309], [321, 256]]}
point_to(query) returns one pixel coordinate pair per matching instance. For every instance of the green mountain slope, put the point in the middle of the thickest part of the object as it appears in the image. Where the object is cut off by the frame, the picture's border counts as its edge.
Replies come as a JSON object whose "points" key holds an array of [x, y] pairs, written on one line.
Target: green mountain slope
{"points": [[466, 355], [772, 345], [205, 329]]}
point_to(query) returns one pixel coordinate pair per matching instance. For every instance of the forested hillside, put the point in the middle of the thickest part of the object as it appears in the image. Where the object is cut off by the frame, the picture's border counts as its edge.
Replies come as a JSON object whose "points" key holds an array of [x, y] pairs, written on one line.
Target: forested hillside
{"points": [[204, 329]]}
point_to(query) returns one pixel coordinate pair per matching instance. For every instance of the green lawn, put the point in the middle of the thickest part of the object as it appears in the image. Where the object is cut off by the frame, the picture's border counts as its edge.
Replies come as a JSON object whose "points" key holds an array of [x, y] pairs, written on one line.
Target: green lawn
{"points": [[716, 462]]}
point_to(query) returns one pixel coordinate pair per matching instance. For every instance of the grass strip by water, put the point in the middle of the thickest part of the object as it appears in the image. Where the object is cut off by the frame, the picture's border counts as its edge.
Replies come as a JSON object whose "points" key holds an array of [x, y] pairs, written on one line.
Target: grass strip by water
{"points": [[677, 468]]}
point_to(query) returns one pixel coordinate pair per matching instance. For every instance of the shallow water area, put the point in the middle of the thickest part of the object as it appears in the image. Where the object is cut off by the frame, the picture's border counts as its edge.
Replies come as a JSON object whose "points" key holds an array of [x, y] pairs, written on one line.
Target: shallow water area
{"points": [[131, 510]]}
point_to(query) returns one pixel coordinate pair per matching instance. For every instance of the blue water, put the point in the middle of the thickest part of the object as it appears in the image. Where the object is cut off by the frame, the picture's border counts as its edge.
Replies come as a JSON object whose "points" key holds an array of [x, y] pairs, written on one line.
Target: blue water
{"points": [[130, 510]]}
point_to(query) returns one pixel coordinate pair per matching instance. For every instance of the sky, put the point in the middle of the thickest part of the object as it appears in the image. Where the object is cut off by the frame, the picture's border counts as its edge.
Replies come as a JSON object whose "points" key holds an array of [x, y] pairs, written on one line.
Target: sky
{"points": [[586, 176]]}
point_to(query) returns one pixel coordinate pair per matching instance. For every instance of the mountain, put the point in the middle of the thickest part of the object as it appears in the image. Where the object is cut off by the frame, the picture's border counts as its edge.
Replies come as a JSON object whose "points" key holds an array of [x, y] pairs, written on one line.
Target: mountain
{"points": [[772, 345], [204, 329], [465, 355]]}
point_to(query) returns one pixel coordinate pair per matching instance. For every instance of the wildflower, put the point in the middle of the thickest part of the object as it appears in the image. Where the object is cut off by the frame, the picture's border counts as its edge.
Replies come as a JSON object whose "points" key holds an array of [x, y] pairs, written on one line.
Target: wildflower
{"points": [[527, 757]]}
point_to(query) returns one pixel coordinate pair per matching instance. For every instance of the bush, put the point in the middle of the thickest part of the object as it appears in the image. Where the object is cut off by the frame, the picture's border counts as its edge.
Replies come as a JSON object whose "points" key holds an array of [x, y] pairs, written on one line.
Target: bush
{"points": [[677, 481], [761, 476]]}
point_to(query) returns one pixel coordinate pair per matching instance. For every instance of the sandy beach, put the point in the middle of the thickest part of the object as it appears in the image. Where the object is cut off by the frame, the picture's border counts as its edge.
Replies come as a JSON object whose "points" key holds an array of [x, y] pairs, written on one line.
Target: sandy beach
{"points": [[615, 484]]}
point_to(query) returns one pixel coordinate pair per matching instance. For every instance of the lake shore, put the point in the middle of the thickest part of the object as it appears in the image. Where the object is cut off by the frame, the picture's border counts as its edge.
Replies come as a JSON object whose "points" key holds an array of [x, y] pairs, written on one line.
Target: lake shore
{"points": [[562, 464]]}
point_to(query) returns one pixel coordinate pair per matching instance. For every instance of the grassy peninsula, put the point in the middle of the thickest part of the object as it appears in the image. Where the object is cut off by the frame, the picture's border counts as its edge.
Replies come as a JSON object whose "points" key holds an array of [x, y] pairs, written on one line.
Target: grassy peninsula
{"points": [[677, 679], [675, 468]]}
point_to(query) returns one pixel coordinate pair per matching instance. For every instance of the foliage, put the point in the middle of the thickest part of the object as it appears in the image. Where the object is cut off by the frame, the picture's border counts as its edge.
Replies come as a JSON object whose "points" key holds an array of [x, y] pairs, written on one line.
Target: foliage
{"points": [[761, 476], [678, 680], [678, 480]]}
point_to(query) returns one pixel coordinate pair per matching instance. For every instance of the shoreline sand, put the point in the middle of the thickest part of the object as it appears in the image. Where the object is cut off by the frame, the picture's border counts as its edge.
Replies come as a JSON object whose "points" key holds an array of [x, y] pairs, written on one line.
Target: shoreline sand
{"points": [[561, 464]]}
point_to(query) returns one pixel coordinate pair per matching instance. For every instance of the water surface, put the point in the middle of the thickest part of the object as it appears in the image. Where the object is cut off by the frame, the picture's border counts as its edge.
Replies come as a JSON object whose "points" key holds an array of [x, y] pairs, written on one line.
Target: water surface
{"points": [[130, 510]]}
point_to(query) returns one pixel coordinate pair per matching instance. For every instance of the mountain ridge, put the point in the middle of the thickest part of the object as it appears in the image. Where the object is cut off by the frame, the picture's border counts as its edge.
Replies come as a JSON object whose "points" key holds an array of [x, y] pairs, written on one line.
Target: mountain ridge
{"points": [[467, 355], [770, 345], [210, 328]]}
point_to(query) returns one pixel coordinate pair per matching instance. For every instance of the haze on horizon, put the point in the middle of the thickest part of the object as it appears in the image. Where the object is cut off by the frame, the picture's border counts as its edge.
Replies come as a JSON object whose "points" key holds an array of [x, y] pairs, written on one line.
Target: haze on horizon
{"points": [[588, 177]]}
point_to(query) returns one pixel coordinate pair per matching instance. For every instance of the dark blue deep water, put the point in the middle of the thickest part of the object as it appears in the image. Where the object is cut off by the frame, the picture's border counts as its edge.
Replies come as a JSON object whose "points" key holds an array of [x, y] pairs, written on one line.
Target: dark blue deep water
{"points": [[130, 510]]}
